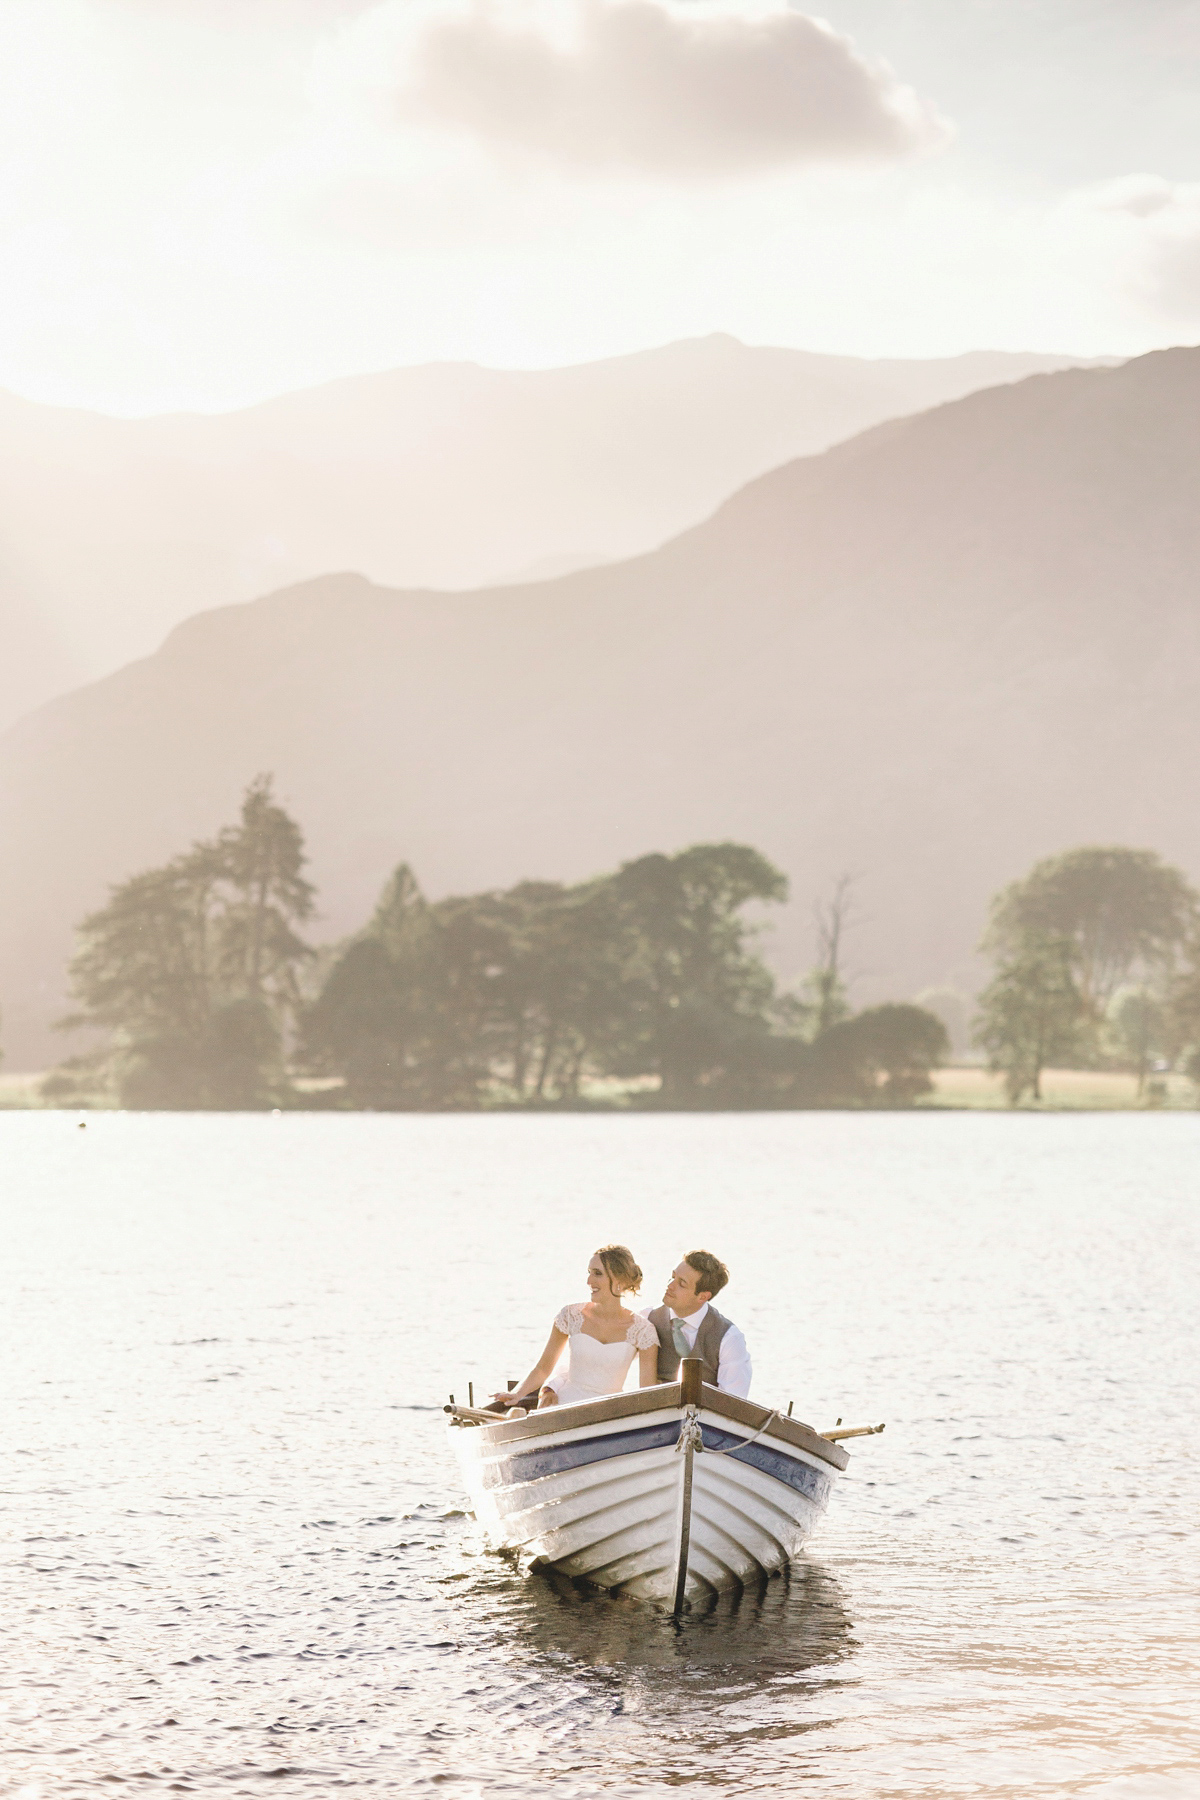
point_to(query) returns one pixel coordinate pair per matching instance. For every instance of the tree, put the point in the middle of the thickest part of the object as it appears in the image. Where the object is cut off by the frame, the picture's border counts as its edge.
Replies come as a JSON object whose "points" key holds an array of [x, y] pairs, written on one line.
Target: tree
{"points": [[1123, 914], [1137, 1020], [258, 863], [517, 993], [514, 995], [1032, 1013], [884, 1056], [1182, 1019], [193, 969], [356, 1028], [403, 1014], [435, 1002], [570, 1002], [826, 982], [695, 985], [143, 970]]}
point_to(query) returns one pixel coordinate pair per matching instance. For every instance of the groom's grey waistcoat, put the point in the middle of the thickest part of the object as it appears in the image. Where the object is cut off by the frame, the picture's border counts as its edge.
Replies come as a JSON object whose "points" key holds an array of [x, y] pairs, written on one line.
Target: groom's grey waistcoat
{"points": [[707, 1346]]}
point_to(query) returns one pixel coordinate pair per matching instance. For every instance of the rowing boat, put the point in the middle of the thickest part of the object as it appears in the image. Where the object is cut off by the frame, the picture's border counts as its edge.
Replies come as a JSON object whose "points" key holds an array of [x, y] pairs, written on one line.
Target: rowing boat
{"points": [[669, 1493]]}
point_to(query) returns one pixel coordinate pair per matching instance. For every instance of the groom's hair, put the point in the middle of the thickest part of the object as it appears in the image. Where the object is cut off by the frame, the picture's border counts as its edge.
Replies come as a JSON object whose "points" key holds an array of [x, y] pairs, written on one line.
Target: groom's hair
{"points": [[711, 1270]]}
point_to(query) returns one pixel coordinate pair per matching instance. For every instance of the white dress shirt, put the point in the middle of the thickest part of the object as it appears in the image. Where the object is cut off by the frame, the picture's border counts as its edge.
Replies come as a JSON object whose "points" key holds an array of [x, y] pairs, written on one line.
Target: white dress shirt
{"points": [[733, 1364]]}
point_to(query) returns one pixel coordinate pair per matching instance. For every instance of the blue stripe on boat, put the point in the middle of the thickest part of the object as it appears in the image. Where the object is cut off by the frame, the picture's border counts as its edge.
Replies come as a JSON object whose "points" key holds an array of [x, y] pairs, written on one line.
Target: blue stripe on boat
{"points": [[788, 1469], [531, 1465]]}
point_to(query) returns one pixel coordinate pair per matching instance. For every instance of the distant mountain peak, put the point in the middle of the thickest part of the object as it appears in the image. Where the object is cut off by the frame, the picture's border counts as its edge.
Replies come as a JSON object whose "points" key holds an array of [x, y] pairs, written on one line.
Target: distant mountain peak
{"points": [[447, 475], [962, 641]]}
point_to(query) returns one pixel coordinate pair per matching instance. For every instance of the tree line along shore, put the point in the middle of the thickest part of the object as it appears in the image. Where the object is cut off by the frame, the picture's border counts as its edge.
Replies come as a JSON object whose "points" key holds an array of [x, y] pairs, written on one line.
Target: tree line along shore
{"points": [[642, 988]]}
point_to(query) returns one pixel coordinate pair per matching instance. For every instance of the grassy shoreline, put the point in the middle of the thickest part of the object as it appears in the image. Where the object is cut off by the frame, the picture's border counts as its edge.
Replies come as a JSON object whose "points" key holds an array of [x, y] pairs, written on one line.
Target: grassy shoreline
{"points": [[1063, 1090], [959, 1088]]}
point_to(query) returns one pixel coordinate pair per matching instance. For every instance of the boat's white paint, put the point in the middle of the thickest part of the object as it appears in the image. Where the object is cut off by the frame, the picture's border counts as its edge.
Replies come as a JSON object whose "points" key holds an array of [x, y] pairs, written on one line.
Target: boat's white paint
{"points": [[617, 1520]]}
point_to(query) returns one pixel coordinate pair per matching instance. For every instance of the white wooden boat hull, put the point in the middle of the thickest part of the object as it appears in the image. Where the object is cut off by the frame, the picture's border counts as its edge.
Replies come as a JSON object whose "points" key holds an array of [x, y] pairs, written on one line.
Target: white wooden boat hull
{"points": [[606, 1492]]}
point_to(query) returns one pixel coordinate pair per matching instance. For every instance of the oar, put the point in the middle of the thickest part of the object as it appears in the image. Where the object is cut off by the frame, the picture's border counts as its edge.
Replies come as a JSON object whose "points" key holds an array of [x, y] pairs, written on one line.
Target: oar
{"points": [[484, 1415], [845, 1431]]}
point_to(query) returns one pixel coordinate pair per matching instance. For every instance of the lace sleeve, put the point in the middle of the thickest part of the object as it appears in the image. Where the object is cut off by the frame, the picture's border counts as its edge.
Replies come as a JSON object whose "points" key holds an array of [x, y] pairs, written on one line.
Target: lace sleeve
{"points": [[641, 1334], [569, 1320]]}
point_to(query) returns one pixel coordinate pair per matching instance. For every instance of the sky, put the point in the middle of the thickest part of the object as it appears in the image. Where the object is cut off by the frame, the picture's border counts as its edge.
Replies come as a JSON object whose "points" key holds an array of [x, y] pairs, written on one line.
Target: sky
{"points": [[204, 202]]}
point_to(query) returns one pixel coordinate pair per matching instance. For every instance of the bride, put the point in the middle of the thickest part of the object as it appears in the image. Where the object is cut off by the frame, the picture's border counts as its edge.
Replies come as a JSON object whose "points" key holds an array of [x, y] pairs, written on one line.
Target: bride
{"points": [[601, 1339]]}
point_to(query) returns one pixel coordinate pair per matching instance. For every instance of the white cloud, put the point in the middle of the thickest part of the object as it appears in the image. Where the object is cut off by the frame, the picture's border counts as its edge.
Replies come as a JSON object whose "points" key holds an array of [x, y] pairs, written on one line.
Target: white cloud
{"points": [[655, 87], [199, 222], [1149, 231], [1141, 196]]}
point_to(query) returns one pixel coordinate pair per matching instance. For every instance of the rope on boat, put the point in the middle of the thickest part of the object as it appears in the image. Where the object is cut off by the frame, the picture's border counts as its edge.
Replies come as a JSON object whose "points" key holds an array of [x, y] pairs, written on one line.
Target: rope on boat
{"points": [[691, 1435]]}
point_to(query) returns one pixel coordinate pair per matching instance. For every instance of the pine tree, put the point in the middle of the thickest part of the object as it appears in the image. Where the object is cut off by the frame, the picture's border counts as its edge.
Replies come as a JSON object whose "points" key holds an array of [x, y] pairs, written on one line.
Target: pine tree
{"points": [[192, 969]]}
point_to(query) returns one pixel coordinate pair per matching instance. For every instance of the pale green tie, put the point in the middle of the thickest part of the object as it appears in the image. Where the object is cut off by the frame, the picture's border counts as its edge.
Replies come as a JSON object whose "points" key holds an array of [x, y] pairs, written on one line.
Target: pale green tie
{"points": [[679, 1338]]}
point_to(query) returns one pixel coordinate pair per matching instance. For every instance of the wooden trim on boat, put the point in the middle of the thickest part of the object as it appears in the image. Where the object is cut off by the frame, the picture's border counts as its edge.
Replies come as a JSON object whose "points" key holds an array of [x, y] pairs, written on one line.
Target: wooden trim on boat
{"points": [[791, 1431], [690, 1380], [665, 1396], [569, 1418]]}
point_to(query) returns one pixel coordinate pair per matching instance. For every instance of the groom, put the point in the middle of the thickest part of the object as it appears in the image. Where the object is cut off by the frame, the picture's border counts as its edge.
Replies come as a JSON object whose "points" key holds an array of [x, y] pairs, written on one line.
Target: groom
{"points": [[688, 1324]]}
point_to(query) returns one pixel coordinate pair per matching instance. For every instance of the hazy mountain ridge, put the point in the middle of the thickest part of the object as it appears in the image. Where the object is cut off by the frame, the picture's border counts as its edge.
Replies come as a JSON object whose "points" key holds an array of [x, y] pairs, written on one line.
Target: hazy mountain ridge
{"points": [[448, 475], [931, 654], [33, 661]]}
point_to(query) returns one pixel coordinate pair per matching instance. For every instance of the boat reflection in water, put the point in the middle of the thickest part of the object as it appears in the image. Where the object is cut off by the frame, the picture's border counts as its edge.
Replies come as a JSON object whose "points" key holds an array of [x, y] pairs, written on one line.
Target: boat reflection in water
{"points": [[783, 1625], [593, 1686]]}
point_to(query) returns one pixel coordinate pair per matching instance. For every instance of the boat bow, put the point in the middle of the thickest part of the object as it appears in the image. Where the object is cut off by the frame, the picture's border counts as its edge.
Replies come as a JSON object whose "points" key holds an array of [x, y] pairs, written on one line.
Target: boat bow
{"points": [[669, 1493]]}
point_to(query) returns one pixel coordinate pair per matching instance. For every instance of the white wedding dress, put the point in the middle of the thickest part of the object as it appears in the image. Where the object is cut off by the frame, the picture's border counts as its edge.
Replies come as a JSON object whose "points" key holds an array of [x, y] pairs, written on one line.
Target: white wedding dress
{"points": [[591, 1368]]}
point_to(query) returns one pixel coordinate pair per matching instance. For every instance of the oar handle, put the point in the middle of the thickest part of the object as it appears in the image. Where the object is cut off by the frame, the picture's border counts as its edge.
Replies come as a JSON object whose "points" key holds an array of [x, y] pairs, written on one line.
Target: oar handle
{"points": [[484, 1415], [845, 1431]]}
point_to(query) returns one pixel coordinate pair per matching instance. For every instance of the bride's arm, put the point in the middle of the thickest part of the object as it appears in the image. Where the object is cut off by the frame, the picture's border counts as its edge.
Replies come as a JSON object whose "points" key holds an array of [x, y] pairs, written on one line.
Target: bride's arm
{"points": [[648, 1367], [541, 1368]]}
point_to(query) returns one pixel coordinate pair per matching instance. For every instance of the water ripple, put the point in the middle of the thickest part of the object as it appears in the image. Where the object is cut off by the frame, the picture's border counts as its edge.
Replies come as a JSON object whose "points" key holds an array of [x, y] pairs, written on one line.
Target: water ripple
{"points": [[236, 1560]]}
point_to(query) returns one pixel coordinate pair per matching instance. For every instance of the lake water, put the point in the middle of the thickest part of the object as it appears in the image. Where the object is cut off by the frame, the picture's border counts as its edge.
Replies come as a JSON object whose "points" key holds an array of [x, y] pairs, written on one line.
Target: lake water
{"points": [[235, 1558]]}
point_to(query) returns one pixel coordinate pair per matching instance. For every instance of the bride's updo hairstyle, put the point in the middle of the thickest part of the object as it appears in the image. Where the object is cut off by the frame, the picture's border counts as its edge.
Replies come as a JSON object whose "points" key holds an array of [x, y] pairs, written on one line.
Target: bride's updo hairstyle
{"points": [[620, 1268]]}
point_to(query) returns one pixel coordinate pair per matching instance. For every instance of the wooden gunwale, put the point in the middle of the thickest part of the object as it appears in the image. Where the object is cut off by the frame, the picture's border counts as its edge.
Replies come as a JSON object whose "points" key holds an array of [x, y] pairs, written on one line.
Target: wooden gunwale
{"points": [[789, 1431], [664, 1397], [553, 1419]]}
